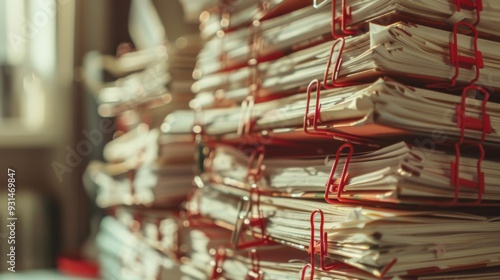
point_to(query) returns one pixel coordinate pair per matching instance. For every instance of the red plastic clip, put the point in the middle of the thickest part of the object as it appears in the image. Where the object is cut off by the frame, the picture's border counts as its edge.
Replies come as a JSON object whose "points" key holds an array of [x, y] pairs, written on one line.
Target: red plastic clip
{"points": [[340, 184], [470, 5], [343, 20], [254, 273], [303, 272], [255, 166], [313, 120], [247, 119], [457, 181], [250, 216], [464, 122], [387, 268], [462, 61], [193, 217], [338, 64], [217, 269], [323, 246]]}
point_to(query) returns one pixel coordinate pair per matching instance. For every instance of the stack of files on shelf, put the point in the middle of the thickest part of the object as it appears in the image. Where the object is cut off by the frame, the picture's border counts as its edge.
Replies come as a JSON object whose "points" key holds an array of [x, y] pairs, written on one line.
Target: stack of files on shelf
{"points": [[399, 173], [412, 86], [381, 242], [381, 109], [411, 53], [135, 174], [144, 176], [133, 248], [165, 77]]}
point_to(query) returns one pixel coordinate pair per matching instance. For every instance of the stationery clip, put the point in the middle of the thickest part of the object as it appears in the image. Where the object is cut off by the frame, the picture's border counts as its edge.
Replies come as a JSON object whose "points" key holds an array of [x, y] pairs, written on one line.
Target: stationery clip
{"points": [[340, 183], [462, 61], [193, 217], [217, 264], [465, 122], [470, 5], [338, 65], [254, 273], [313, 120], [255, 43], [322, 244], [387, 268], [247, 119], [249, 217], [303, 272], [344, 18], [255, 166]]}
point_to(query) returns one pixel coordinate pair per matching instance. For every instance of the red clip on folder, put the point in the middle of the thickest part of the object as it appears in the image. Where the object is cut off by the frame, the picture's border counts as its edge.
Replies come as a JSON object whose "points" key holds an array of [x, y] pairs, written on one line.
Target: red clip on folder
{"points": [[254, 273], [313, 120], [465, 122], [338, 64], [470, 5], [343, 20], [462, 61], [217, 263], [323, 247], [340, 184], [250, 216], [255, 166]]}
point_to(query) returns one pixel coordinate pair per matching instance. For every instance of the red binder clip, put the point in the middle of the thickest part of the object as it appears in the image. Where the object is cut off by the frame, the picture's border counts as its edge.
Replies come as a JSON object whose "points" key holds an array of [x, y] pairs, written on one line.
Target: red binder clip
{"points": [[176, 246], [462, 61], [254, 273], [464, 122], [387, 268], [313, 120], [247, 119], [470, 5], [255, 166], [194, 218], [340, 45], [322, 244], [250, 217], [303, 272], [343, 20], [340, 183], [217, 264]]}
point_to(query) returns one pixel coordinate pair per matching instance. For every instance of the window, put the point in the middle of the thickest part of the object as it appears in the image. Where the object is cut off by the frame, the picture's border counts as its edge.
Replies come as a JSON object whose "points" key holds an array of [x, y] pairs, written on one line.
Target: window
{"points": [[28, 71]]}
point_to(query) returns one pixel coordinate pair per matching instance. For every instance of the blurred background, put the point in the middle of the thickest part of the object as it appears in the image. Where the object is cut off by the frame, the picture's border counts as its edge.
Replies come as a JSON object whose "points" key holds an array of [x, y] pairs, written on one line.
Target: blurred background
{"points": [[47, 112]]}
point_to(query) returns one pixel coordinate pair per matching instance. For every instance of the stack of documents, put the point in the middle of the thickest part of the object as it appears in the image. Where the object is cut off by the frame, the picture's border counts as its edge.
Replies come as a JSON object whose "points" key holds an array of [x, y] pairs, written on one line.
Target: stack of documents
{"points": [[163, 76], [134, 174], [144, 175], [138, 249], [378, 241], [352, 140], [381, 110], [399, 173], [414, 54], [412, 86]]}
